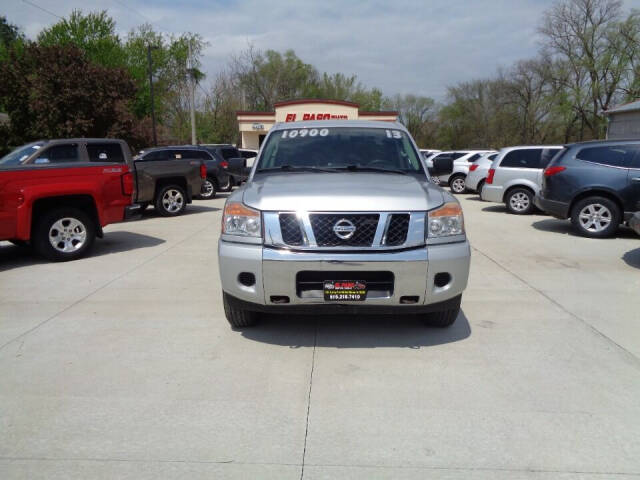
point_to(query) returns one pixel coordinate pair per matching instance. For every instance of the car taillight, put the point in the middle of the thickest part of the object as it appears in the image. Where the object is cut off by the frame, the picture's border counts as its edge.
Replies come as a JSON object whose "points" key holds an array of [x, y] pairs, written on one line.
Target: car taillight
{"points": [[550, 171], [203, 171], [473, 168], [127, 183], [224, 164], [492, 172]]}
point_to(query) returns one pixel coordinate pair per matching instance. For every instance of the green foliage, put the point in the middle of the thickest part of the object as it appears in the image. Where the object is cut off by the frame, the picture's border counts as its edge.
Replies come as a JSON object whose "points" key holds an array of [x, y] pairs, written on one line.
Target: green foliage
{"points": [[55, 92], [93, 33]]}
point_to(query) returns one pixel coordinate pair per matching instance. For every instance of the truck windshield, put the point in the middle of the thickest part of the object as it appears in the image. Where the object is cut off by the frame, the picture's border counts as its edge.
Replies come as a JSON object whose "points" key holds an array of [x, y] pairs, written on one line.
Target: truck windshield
{"points": [[349, 148], [20, 154]]}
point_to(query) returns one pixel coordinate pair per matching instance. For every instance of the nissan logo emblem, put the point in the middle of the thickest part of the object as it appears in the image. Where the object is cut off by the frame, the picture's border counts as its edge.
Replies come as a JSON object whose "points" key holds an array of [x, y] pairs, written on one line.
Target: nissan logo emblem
{"points": [[344, 229]]}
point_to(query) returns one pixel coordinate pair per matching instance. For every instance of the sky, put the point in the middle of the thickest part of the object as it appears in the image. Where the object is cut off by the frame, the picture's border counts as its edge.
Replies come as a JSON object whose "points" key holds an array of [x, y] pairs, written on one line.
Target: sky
{"points": [[399, 46]]}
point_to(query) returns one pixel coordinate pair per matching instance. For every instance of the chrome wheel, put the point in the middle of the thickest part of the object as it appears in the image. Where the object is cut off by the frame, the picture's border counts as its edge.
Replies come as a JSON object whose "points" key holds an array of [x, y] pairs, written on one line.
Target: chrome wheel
{"points": [[207, 190], [458, 185], [519, 201], [67, 235], [595, 217], [172, 200]]}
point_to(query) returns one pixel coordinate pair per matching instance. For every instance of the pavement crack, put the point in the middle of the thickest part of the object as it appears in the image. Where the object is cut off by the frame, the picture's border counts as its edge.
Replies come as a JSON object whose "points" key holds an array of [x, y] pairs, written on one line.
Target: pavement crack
{"points": [[632, 356], [306, 430]]}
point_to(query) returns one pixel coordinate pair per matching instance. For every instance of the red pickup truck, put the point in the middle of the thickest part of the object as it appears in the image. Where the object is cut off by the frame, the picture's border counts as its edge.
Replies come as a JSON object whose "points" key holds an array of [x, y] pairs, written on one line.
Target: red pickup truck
{"points": [[57, 195]]}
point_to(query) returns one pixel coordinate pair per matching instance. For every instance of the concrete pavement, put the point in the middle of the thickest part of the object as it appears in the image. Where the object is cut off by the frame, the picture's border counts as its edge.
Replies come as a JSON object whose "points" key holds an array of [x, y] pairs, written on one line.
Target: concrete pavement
{"points": [[121, 365]]}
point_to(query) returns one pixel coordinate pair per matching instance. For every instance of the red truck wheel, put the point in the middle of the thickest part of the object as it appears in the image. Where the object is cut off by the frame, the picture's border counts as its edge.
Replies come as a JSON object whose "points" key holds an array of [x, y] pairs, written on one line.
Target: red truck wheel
{"points": [[63, 234]]}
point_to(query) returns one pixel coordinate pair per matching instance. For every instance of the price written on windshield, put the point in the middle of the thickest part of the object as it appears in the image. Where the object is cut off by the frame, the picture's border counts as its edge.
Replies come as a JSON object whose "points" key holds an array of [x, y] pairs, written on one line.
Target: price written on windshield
{"points": [[304, 132]]}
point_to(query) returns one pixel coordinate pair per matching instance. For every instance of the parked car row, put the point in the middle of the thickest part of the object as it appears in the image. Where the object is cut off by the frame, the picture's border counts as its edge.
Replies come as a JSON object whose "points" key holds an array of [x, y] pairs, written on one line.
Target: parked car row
{"points": [[595, 184], [57, 195]]}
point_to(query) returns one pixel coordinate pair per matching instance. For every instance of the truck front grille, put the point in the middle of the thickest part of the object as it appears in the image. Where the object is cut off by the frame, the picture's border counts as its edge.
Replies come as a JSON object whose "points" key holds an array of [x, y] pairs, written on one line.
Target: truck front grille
{"points": [[323, 229], [290, 228], [397, 229]]}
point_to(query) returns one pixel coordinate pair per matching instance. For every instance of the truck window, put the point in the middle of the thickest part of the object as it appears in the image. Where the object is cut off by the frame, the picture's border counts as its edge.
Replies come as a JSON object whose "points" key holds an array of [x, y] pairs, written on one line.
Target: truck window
{"points": [[105, 152], [20, 154], [341, 148], [64, 153], [191, 154], [156, 155], [228, 153]]}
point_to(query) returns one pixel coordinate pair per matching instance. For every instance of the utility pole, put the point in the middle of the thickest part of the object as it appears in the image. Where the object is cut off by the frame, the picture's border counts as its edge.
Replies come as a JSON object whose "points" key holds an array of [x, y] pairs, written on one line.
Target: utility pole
{"points": [[192, 100], [153, 109]]}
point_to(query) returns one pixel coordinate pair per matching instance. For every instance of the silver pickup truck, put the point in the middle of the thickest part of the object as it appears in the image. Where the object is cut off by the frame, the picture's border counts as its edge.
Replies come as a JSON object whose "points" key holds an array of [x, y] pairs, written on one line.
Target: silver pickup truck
{"points": [[341, 217]]}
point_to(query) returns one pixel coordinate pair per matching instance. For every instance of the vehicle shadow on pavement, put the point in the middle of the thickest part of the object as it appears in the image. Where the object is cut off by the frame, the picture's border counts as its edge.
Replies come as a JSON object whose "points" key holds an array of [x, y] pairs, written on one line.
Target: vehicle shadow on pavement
{"points": [[495, 208], [555, 225], [632, 258], [12, 256], [346, 331], [150, 212]]}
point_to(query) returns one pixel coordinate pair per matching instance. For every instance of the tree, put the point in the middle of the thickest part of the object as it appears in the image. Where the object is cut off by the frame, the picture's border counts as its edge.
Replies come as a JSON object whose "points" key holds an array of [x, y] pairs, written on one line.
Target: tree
{"points": [[94, 34], [269, 77], [599, 49], [55, 92], [418, 114], [10, 37]]}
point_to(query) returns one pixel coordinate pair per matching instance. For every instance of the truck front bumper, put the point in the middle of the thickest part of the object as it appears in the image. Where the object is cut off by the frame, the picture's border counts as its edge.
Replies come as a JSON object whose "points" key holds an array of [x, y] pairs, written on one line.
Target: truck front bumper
{"points": [[275, 277]]}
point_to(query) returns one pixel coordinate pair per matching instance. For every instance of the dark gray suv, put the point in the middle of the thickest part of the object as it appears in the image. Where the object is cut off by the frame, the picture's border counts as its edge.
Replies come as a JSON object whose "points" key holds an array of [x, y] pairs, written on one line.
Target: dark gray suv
{"points": [[596, 184]]}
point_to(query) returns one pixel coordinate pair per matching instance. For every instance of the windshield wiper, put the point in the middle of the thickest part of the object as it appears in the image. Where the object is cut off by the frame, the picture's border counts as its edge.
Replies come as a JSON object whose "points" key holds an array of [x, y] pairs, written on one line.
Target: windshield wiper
{"points": [[364, 168], [296, 168]]}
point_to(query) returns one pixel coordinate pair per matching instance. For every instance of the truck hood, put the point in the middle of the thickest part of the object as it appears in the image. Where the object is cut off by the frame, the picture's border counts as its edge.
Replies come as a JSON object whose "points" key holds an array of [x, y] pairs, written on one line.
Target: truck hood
{"points": [[349, 191]]}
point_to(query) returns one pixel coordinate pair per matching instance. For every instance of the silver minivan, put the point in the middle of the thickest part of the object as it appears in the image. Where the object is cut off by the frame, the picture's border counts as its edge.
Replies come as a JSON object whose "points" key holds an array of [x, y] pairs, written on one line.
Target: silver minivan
{"points": [[516, 175]]}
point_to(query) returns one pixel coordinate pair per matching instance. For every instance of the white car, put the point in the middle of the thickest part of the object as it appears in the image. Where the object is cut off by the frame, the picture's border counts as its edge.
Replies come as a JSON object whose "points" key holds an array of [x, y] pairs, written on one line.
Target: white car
{"points": [[428, 155], [478, 172], [462, 160], [515, 177]]}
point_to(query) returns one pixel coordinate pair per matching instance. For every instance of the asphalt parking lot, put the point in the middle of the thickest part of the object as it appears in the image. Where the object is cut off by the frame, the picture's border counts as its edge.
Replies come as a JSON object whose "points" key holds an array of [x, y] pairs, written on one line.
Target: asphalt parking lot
{"points": [[122, 365]]}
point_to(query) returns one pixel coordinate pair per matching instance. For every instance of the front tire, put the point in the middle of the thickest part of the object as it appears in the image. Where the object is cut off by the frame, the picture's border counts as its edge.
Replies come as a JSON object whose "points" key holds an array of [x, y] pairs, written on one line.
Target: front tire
{"points": [[238, 317], [171, 201], [519, 201], [596, 217], [444, 318], [458, 184], [63, 234]]}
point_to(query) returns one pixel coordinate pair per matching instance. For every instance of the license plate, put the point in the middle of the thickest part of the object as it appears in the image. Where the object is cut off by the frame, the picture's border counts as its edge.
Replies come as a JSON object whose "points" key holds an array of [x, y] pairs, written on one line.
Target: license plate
{"points": [[345, 290]]}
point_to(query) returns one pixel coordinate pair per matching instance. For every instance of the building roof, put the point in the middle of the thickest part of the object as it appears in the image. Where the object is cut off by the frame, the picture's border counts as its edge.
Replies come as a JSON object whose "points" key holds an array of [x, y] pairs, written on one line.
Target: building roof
{"points": [[306, 101], [625, 107]]}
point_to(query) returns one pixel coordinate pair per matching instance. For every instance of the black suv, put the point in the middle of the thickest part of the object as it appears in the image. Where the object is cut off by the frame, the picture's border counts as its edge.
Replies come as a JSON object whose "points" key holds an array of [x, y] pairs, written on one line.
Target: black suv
{"points": [[596, 184], [218, 178], [237, 169]]}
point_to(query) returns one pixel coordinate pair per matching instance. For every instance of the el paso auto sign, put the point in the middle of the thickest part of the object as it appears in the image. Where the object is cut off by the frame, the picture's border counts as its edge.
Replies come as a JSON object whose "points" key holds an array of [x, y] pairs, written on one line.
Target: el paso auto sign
{"points": [[292, 117]]}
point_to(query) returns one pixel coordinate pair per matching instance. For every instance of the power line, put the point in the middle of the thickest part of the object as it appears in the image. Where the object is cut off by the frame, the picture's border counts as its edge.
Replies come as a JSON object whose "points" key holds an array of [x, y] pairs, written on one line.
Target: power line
{"points": [[43, 9], [137, 12]]}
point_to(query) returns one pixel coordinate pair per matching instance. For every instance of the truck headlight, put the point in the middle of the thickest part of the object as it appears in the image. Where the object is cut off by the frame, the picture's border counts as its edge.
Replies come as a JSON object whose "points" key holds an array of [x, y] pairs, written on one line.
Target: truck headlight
{"points": [[239, 219], [445, 221]]}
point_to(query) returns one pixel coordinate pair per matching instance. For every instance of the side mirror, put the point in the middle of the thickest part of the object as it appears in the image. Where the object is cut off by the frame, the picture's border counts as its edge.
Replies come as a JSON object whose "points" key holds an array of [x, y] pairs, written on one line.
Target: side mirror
{"points": [[442, 166]]}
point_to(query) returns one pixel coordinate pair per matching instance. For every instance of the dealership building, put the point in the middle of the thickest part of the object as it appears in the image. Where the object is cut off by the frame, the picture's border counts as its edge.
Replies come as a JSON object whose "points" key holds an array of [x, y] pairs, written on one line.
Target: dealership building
{"points": [[255, 125]]}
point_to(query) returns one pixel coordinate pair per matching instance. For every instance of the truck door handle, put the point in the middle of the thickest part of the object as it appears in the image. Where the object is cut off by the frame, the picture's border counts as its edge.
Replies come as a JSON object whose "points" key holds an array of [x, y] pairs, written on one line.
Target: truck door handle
{"points": [[635, 179]]}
